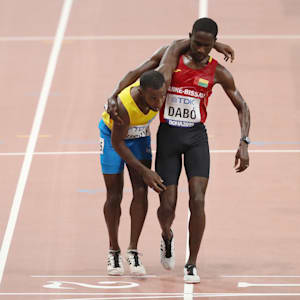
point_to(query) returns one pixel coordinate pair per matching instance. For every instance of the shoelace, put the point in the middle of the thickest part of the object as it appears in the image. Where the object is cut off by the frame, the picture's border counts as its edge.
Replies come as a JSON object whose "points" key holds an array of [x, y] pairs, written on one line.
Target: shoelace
{"points": [[190, 269], [136, 258], [116, 257], [168, 244]]}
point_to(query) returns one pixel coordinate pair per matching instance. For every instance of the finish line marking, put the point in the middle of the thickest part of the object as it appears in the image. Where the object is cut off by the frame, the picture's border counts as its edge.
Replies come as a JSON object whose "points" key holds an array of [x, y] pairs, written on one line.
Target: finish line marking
{"points": [[165, 295], [93, 276], [260, 276], [248, 284], [146, 37], [97, 152]]}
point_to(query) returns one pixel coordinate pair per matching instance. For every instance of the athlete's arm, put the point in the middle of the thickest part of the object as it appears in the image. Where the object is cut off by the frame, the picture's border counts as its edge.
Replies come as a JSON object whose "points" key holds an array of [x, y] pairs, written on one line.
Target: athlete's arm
{"points": [[224, 78], [130, 78], [152, 63], [226, 50], [118, 134], [170, 59]]}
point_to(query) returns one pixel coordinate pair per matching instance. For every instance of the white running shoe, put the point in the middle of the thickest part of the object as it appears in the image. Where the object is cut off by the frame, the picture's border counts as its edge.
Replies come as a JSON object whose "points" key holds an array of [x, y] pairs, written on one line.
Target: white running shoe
{"points": [[167, 253], [114, 263], [135, 265], [190, 274]]}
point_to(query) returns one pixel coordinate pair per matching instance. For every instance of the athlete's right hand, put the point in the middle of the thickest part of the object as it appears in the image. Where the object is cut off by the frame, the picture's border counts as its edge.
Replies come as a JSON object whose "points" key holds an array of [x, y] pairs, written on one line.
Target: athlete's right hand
{"points": [[154, 181], [112, 109]]}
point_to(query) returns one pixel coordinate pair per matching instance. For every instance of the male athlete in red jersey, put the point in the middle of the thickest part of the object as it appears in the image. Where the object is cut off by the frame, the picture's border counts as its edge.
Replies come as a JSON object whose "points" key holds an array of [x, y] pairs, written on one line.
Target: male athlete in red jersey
{"points": [[182, 132]]}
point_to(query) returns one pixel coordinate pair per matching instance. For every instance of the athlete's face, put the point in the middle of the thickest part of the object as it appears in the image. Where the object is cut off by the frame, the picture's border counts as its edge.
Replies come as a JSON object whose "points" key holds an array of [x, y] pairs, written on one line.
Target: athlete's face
{"points": [[155, 98], [201, 44]]}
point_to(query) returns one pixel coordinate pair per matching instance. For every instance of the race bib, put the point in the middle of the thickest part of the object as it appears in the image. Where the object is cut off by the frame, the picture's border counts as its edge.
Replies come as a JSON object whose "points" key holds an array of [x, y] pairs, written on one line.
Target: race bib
{"points": [[101, 145], [138, 131], [182, 111]]}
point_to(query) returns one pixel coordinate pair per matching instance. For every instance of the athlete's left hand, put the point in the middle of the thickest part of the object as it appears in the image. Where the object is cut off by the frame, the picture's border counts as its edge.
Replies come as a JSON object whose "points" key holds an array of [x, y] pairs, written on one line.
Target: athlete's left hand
{"points": [[226, 50], [241, 158], [112, 109]]}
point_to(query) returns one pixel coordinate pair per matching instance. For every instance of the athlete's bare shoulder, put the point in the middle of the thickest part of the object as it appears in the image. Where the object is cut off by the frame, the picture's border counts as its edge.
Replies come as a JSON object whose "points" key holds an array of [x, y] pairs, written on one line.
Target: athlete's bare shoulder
{"points": [[222, 75], [123, 113]]}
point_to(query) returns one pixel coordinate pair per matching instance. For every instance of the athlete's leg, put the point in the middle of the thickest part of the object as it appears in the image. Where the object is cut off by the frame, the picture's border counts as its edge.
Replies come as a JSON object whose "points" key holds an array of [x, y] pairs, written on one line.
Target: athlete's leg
{"points": [[112, 207], [197, 163], [168, 164], [139, 204], [112, 168], [197, 189], [166, 210]]}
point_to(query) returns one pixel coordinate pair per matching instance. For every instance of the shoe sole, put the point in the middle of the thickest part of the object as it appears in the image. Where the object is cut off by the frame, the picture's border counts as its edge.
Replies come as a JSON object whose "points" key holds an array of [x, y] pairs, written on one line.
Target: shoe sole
{"points": [[189, 280], [137, 273], [167, 266], [115, 273]]}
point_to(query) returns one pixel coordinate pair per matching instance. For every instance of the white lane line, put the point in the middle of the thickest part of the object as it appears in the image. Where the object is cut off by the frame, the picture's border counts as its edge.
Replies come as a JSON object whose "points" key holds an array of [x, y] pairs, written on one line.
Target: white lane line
{"points": [[170, 295], [260, 276], [146, 37], [188, 288], [261, 37], [50, 153], [97, 152], [249, 284], [203, 8], [34, 135], [93, 276], [178, 296]]}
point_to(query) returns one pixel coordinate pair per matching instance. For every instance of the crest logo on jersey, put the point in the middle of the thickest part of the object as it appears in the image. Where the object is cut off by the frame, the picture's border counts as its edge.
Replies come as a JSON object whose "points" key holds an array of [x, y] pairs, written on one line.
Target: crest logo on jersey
{"points": [[177, 70]]}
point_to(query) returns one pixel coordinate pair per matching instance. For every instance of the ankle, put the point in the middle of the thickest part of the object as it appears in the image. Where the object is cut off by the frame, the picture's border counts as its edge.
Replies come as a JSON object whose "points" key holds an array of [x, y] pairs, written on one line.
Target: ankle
{"points": [[167, 235]]}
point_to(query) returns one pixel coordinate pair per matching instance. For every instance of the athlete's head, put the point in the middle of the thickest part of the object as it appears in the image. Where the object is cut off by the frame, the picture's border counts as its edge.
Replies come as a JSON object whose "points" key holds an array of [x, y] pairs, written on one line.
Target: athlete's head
{"points": [[203, 37], [153, 89]]}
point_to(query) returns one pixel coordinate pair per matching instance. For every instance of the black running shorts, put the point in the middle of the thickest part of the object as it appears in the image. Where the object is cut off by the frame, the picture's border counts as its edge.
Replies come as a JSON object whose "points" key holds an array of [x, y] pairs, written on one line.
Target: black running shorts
{"points": [[172, 143]]}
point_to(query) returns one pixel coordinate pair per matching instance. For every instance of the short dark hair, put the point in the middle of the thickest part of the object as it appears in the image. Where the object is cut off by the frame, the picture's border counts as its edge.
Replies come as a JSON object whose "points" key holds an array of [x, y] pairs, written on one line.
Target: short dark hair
{"points": [[152, 79], [206, 25]]}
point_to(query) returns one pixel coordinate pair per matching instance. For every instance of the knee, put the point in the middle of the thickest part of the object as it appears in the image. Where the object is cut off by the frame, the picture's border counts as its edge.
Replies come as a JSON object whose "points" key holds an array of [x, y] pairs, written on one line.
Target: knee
{"points": [[166, 208], [113, 199], [197, 203], [140, 193]]}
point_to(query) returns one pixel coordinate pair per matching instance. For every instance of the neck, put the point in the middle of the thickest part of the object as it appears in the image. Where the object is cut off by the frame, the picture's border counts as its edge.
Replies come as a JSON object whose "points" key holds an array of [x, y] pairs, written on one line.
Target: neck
{"points": [[139, 100], [194, 63]]}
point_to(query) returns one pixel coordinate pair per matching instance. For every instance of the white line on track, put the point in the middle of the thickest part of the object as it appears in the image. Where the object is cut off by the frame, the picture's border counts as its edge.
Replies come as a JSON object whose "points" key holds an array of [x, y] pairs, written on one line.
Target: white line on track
{"points": [[93, 276], [97, 152], [260, 276], [203, 8], [189, 288], [152, 295], [34, 135], [249, 284], [146, 37]]}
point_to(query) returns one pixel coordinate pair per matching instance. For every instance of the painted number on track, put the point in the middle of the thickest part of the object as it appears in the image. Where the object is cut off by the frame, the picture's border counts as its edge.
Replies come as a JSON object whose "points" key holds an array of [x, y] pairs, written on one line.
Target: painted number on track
{"points": [[67, 285]]}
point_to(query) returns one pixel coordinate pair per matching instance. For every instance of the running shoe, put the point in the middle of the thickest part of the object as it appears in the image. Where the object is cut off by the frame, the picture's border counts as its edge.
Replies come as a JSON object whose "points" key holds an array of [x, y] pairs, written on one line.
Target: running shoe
{"points": [[190, 274], [167, 253], [135, 265], [115, 263]]}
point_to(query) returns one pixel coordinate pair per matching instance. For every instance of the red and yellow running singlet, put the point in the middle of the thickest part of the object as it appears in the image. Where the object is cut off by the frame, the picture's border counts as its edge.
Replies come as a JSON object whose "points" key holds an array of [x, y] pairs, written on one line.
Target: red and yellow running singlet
{"points": [[188, 94]]}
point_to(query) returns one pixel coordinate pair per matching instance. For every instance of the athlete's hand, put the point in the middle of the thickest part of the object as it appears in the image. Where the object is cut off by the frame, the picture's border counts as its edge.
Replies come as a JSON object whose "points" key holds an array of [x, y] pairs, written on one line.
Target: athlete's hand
{"points": [[226, 50], [153, 180], [241, 158], [112, 109]]}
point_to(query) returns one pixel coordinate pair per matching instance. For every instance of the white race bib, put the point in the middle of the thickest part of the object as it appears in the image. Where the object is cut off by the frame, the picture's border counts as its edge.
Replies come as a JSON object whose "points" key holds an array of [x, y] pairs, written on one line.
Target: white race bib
{"points": [[182, 110], [101, 145], [138, 131]]}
